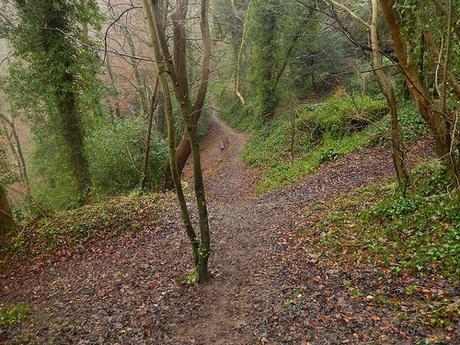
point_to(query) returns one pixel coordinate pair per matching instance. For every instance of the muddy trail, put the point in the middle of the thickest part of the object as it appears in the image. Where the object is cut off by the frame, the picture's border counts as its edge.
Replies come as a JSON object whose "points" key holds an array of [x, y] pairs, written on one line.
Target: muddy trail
{"points": [[128, 290]]}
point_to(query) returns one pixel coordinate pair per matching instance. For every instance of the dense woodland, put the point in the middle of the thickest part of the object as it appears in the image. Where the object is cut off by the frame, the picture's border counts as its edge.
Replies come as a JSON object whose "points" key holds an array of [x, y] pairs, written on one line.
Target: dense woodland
{"points": [[230, 171]]}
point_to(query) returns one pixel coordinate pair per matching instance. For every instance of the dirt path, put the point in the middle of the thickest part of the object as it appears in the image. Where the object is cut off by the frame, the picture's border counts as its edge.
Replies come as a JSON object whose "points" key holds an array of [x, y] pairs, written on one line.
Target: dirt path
{"points": [[251, 242], [125, 292]]}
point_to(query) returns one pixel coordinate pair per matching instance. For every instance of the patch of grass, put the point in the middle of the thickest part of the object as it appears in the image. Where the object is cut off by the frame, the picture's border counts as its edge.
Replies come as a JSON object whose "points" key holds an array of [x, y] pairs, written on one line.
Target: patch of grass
{"points": [[330, 149], [99, 221], [9, 316], [189, 279]]}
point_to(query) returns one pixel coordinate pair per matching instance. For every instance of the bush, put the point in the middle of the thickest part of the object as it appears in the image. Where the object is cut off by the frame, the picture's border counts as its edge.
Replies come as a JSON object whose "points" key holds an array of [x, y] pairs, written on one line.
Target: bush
{"points": [[115, 153], [341, 115]]}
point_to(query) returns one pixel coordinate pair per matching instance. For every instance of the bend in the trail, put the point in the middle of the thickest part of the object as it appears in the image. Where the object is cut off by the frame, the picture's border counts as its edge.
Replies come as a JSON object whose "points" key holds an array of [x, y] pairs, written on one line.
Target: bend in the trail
{"points": [[249, 238], [124, 291]]}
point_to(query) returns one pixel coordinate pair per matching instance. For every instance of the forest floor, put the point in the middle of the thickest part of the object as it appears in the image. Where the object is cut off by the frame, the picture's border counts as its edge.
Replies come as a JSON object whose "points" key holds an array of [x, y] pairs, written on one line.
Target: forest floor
{"points": [[269, 287]]}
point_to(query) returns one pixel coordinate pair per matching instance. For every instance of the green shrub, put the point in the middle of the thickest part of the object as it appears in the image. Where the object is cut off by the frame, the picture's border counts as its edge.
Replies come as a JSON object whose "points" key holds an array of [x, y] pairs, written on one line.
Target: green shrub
{"points": [[115, 152], [240, 117]]}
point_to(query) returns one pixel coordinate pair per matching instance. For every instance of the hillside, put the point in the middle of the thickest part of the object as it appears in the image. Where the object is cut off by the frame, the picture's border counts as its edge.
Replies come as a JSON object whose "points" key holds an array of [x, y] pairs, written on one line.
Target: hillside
{"points": [[270, 282]]}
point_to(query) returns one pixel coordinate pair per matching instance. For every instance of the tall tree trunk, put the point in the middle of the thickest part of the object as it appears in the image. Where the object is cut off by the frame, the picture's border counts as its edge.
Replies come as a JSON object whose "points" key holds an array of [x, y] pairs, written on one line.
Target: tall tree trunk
{"points": [[439, 122], [402, 173], [176, 70], [205, 240], [137, 75], [148, 137], [175, 176], [73, 137]]}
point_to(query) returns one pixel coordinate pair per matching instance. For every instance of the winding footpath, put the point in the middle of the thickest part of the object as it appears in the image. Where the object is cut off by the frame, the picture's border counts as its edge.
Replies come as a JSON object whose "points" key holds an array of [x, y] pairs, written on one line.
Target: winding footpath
{"points": [[125, 291]]}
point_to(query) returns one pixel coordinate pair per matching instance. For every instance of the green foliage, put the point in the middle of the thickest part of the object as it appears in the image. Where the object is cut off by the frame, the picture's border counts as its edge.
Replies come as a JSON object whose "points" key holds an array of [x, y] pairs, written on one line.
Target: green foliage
{"points": [[425, 15], [262, 28], [13, 314], [52, 180], [324, 131], [6, 175], [52, 82], [115, 153], [233, 112], [411, 123], [418, 232]]}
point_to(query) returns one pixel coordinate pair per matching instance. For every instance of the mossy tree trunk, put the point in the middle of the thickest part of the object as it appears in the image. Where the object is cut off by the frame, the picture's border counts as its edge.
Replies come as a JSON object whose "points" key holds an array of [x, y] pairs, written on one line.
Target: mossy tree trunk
{"points": [[442, 122]]}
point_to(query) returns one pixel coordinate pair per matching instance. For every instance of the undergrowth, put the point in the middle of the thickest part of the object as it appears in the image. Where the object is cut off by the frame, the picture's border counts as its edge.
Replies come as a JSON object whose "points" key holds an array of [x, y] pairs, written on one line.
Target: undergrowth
{"points": [[419, 232], [93, 222], [417, 235]]}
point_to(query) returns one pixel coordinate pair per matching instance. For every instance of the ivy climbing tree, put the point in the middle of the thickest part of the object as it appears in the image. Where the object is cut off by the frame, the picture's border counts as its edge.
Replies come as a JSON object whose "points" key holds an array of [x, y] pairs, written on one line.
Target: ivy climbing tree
{"points": [[53, 81]]}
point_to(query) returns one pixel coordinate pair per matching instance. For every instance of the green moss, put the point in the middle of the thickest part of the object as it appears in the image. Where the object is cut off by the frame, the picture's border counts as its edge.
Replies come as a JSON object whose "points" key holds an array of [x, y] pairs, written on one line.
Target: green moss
{"points": [[9, 316]]}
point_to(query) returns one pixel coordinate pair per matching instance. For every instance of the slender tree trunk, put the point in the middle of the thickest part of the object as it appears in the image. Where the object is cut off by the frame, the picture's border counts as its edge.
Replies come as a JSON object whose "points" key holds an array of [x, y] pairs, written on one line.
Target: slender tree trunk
{"points": [[148, 136], [6, 219], [202, 268], [73, 137], [175, 172], [112, 80], [402, 173], [434, 52]]}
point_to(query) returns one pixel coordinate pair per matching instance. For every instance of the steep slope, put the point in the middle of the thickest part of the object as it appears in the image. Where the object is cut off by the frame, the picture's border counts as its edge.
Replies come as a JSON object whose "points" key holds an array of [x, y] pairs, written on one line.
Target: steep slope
{"points": [[268, 286]]}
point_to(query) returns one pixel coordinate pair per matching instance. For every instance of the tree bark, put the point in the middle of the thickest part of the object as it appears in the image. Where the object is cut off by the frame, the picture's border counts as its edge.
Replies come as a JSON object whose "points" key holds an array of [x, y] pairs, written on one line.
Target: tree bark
{"points": [[401, 171], [112, 80], [137, 75], [161, 116], [6, 219], [148, 137], [440, 123], [176, 70]]}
